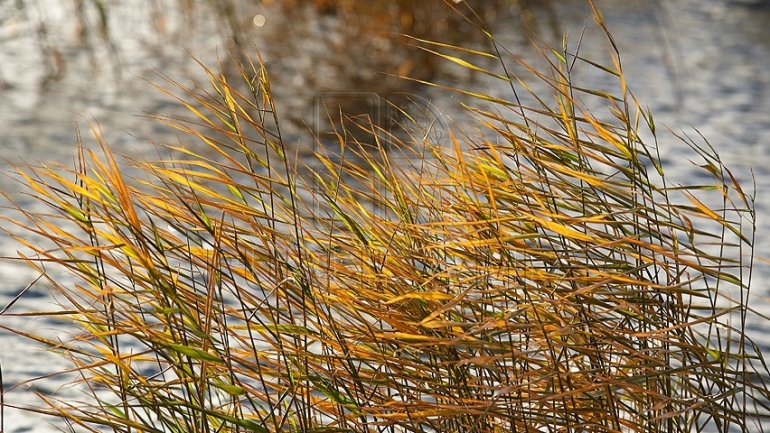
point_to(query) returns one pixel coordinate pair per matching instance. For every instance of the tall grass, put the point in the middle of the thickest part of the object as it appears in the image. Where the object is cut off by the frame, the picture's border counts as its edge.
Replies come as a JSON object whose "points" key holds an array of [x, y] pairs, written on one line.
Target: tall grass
{"points": [[541, 275]]}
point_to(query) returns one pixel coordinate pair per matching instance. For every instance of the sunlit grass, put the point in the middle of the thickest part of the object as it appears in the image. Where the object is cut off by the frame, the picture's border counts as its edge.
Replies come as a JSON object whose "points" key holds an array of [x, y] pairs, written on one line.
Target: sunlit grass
{"points": [[541, 275]]}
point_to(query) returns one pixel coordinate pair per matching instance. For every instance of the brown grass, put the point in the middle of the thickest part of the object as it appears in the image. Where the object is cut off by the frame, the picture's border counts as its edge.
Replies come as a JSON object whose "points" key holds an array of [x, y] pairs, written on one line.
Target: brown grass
{"points": [[544, 275]]}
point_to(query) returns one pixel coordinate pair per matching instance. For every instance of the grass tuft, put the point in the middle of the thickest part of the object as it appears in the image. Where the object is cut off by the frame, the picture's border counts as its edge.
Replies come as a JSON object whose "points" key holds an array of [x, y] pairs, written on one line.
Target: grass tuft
{"points": [[542, 275]]}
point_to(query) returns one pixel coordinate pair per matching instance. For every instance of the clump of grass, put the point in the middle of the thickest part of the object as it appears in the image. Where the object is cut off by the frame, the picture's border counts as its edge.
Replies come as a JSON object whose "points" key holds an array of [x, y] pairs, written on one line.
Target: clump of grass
{"points": [[543, 275]]}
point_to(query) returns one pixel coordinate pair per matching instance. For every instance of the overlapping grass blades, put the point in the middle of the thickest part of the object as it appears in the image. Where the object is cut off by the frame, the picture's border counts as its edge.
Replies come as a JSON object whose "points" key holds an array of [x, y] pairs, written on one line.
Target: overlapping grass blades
{"points": [[539, 276]]}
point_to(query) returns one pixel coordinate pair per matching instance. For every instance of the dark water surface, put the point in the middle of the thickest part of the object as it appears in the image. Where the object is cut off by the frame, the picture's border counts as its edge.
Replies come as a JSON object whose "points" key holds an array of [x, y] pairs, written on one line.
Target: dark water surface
{"points": [[699, 64]]}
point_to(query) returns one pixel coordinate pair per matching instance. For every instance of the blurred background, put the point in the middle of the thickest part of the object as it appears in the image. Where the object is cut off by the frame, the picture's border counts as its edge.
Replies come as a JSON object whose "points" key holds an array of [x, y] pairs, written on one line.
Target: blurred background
{"points": [[702, 66]]}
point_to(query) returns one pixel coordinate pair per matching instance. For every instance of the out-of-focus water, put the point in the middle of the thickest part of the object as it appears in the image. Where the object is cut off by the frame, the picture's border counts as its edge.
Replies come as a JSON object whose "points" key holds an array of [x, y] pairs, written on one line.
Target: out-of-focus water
{"points": [[699, 64]]}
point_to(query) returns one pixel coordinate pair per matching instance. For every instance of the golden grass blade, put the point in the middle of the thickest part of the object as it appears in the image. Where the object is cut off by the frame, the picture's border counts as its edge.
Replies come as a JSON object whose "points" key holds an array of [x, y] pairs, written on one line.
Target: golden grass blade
{"points": [[531, 278]]}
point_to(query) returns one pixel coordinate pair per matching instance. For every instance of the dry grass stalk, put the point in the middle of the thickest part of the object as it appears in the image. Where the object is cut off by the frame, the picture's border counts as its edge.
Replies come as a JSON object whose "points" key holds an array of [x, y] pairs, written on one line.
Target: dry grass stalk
{"points": [[540, 277]]}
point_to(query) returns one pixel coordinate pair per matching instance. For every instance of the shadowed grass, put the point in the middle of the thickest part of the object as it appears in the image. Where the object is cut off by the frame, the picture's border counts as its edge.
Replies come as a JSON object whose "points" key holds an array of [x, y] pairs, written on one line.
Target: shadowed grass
{"points": [[542, 275]]}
